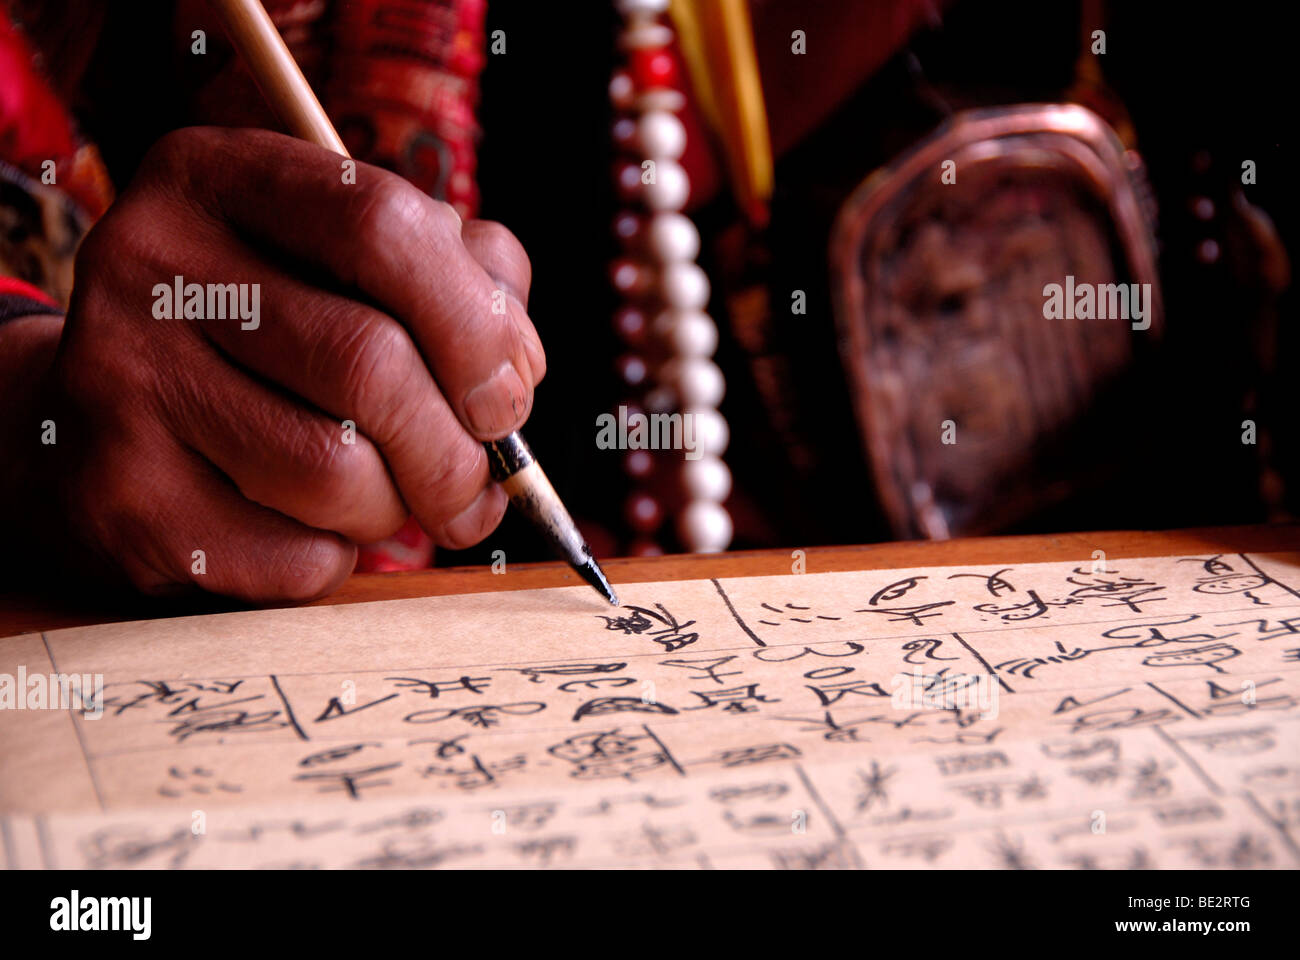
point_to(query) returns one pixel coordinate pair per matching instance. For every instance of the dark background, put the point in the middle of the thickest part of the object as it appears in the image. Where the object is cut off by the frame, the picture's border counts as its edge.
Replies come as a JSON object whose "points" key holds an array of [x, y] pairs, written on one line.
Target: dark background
{"points": [[1205, 87]]}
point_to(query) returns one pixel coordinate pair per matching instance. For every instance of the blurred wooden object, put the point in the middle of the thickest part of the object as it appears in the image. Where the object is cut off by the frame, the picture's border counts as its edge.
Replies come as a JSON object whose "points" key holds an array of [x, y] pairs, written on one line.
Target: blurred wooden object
{"points": [[32, 611], [962, 387]]}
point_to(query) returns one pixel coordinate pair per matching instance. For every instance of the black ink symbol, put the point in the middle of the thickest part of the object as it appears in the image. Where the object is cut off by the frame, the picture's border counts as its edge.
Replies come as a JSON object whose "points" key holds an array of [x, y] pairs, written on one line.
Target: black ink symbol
{"points": [[1074, 750], [928, 648], [226, 721], [1246, 852], [435, 687], [1125, 591], [596, 683], [334, 753], [736, 699], [964, 739], [854, 648], [1236, 743], [535, 674], [1291, 625], [1035, 606], [895, 590], [671, 634], [1010, 854], [748, 756], [927, 848], [827, 673], [993, 582], [872, 790], [487, 715], [913, 614], [1223, 579], [335, 708], [1071, 703], [828, 856], [351, 782], [792, 606], [606, 705], [1121, 718], [831, 694], [201, 787], [1025, 666], [1210, 656], [651, 840], [479, 773], [832, 730], [758, 791], [608, 754], [710, 667], [1234, 701], [1150, 783], [446, 748], [546, 849], [606, 804], [416, 818]]}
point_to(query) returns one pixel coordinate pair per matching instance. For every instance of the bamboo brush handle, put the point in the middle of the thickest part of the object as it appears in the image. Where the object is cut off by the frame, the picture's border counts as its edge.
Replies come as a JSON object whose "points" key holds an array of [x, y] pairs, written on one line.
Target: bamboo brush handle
{"points": [[276, 72]]}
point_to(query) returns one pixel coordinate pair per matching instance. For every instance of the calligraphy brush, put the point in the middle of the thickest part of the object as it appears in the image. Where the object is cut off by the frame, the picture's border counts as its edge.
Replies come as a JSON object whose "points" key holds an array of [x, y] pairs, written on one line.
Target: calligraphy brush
{"points": [[285, 88]]}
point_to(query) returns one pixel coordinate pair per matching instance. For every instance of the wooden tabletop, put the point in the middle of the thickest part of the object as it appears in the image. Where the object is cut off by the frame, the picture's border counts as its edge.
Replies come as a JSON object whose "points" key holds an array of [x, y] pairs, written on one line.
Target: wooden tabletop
{"points": [[48, 608]]}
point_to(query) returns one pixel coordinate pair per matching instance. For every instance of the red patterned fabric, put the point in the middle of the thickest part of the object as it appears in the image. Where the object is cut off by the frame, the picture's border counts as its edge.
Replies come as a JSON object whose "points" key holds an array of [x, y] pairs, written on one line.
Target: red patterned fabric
{"points": [[13, 287], [36, 127], [402, 87]]}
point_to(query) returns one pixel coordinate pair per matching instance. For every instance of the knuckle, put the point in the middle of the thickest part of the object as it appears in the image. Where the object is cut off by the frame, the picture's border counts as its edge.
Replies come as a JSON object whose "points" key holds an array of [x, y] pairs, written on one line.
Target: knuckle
{"points": [[444, 214], [453, 481], [504, 256], [390, 210], [376, 359], [121, 522], [173, 157], [113, 515], [169, 150], [501, 239], [325, 463], [100, 387]]}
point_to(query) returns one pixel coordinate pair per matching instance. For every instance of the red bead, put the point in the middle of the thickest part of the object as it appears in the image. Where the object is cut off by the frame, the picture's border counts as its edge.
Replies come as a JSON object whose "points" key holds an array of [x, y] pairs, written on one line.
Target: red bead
{"points": [[623, 133], [631, 326], [644, 548], [627, 178], [621, 91], [631, 369], [628, 227], [629, 277], [644, 513], [638, 464], [652, 68]]}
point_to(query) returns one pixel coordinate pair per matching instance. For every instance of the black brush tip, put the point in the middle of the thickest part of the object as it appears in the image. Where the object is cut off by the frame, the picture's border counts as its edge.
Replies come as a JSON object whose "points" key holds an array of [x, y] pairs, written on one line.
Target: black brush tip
{"points": [[595, 576]]}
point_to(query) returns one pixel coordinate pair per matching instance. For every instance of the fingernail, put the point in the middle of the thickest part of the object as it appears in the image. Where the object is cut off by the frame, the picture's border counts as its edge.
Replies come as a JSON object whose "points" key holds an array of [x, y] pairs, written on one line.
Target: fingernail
{"points": [[478, 519], [494, 407]]}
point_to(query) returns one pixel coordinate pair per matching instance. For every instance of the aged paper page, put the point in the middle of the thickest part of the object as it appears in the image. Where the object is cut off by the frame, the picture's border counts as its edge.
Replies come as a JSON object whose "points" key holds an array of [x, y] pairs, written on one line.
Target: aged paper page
{"points": [[1114, 714]]}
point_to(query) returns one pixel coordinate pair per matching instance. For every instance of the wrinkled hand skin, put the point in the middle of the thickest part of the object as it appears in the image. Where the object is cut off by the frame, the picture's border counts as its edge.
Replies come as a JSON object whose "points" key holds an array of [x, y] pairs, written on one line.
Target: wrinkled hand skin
{"points": [[174, 436]]}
